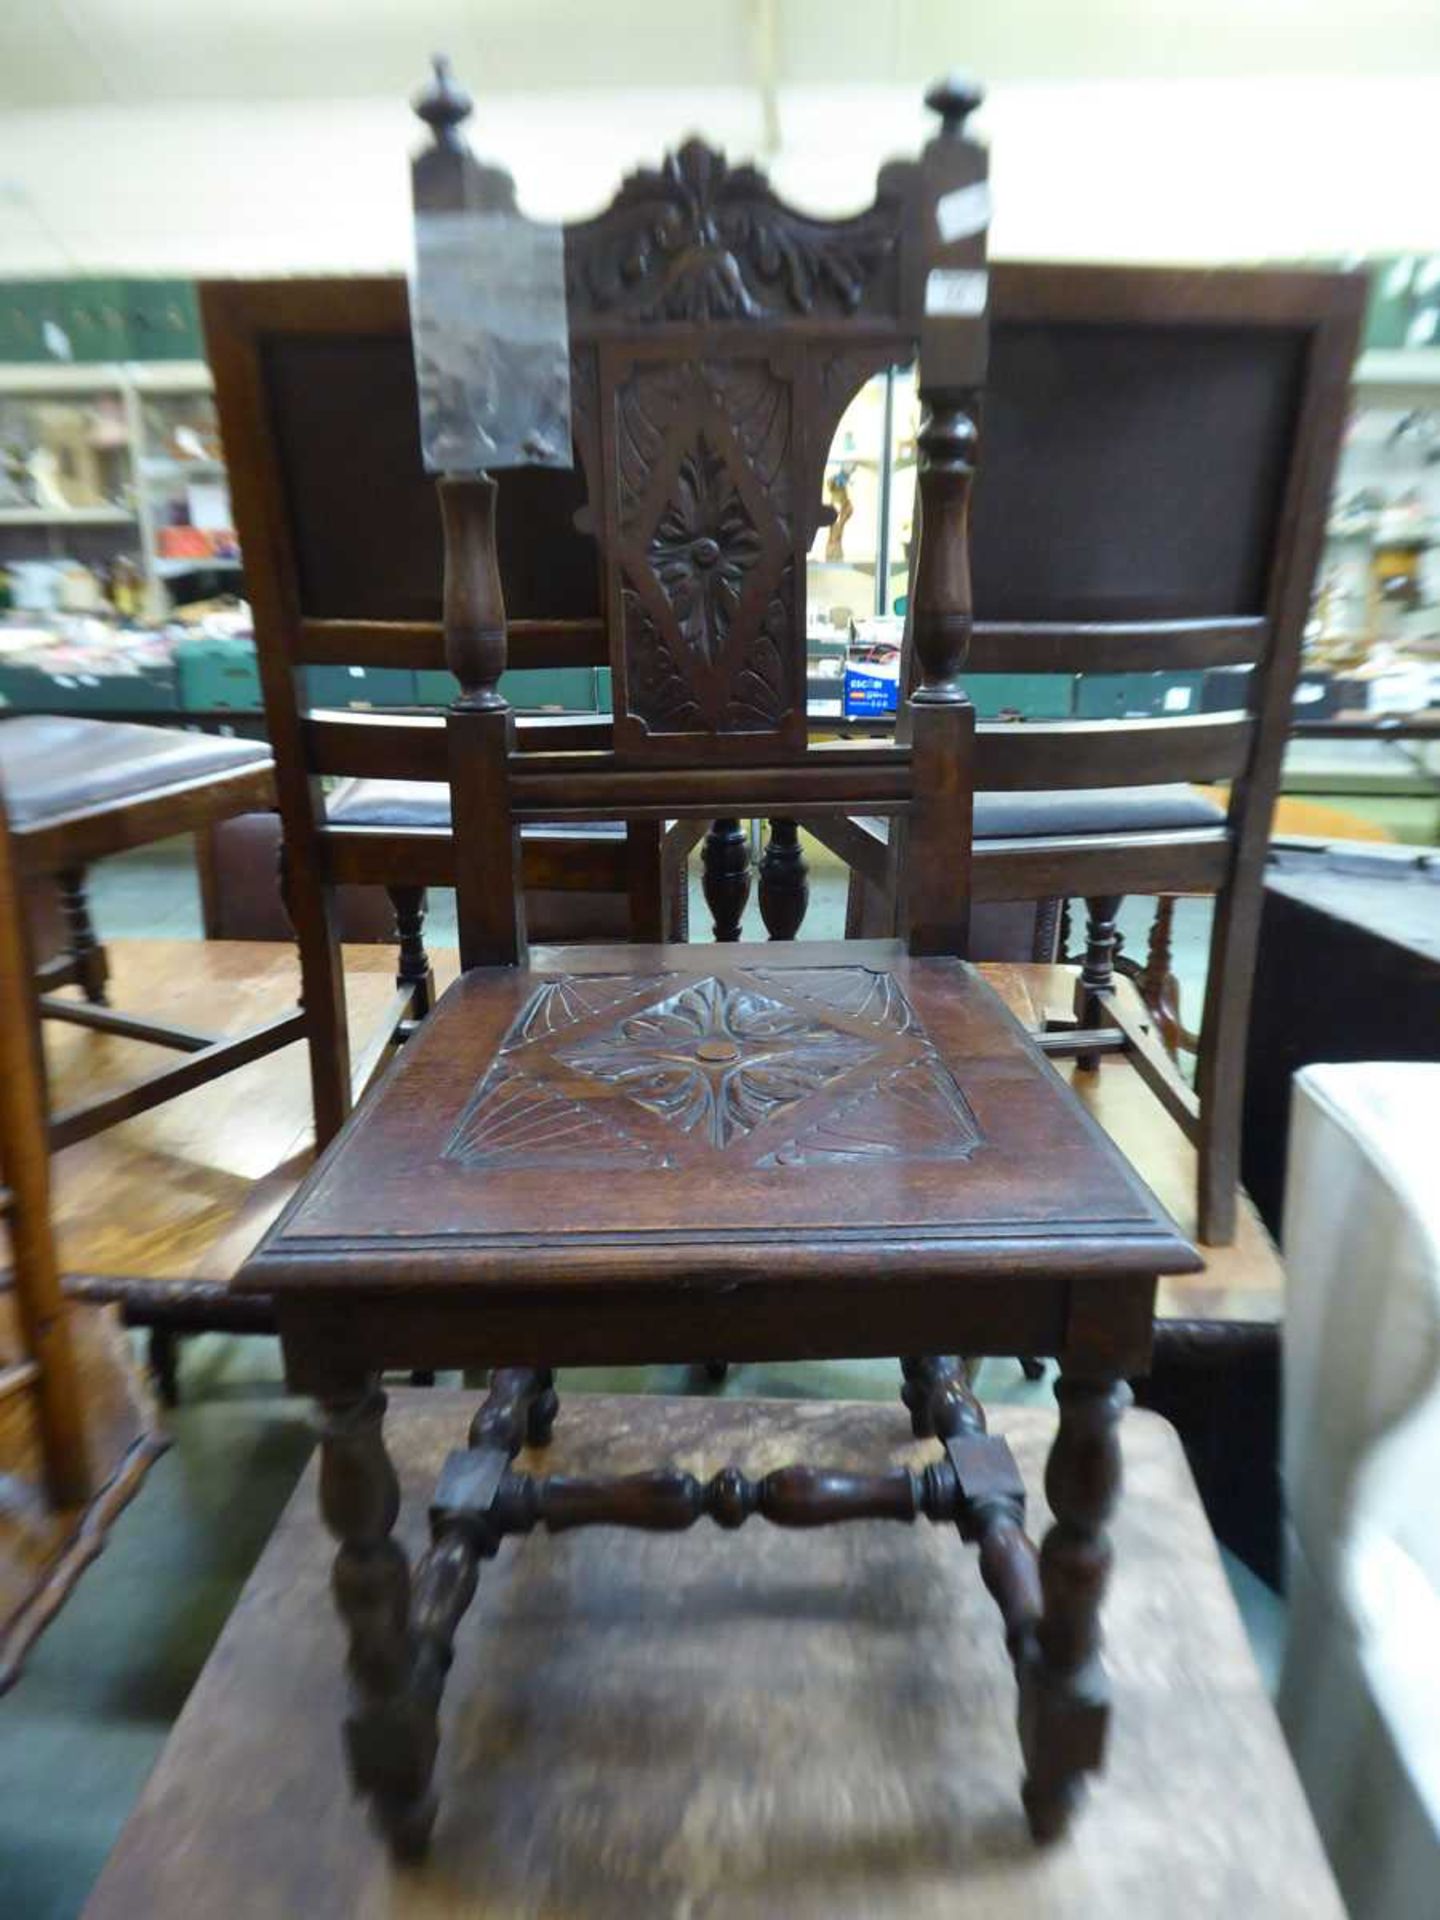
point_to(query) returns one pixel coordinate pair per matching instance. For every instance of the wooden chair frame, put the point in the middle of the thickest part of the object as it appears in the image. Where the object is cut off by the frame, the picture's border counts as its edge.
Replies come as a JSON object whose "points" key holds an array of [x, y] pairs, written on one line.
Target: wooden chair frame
{"points": [[47, 1367], [1243, 749], [242, 319], [353, 1299], [62, 847]]}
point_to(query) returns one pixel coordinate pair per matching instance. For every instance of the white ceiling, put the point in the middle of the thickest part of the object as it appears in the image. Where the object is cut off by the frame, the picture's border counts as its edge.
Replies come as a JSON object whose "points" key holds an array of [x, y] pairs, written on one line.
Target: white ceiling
{"points": [[74, 53]]}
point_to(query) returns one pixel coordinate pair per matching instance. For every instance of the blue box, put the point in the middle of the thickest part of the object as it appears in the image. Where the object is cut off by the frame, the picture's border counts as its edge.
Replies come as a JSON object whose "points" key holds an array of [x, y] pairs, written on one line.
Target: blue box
{"points": [[870, 695]]}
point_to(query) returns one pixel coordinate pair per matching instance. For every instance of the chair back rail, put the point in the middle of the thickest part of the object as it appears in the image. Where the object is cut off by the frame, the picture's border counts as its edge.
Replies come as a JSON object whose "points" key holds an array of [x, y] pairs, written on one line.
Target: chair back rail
{"points": [[1133, 646]]}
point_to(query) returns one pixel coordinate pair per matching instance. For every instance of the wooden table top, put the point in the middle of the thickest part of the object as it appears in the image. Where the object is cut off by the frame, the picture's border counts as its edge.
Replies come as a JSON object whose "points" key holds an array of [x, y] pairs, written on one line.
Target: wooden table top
{"points": [[183, 1193], [762, 1723]]}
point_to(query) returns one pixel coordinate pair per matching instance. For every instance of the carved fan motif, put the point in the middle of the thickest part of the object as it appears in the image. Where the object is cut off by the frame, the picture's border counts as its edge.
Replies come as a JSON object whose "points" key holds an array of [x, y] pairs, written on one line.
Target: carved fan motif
{"points": [[865, 993], [560, 1003], [515, 1121], [698, 239], [717, 1058], [759, 697], [717, 1061], [914, 1112]]}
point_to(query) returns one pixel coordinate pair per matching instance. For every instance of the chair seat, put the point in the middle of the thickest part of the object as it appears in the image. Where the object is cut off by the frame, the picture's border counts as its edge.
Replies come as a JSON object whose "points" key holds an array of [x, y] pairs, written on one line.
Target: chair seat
{"points": [[426, 804], [1086, 810], [762, 1127], [1070, 812], [52, 765]]}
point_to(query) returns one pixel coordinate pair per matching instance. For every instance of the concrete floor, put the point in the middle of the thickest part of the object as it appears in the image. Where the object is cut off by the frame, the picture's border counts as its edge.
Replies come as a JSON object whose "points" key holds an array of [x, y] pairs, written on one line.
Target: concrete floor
{"points": [[81, 1730]]}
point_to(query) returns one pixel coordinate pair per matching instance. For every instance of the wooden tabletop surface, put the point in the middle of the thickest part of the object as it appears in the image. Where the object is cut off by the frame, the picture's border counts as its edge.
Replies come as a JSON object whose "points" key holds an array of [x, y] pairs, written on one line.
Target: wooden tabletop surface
{"points": [[762, 1723]]}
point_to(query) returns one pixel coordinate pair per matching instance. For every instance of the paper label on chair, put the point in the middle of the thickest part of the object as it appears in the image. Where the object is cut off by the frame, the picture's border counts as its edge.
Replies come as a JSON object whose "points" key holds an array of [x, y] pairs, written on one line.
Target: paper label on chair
{"points": [[964, 213], [492, 347], [958, 293]]}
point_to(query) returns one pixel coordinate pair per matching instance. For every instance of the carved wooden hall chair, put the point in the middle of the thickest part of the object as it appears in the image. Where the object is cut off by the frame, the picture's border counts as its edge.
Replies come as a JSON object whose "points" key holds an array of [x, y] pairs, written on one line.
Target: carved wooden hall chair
{"points": [[77, 791], [315, 385], [645, 1153], [1159, 450]]}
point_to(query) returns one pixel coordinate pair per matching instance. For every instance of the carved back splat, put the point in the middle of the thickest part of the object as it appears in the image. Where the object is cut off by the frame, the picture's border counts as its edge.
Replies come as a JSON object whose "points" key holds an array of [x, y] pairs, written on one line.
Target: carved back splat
{"points": [[721, 335], [717, 336]]}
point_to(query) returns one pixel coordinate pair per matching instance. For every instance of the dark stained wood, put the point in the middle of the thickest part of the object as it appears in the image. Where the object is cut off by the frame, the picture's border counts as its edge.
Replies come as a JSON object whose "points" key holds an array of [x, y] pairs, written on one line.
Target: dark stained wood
{"points": [[390, 1740], [474, 599], [725, 876], [374, 643], [557, 786], [489, 898], [784, 889], [1059, 754], [1139, 646], [85, 952], [342, 540], [178, 1196], [1221, 1065], [671, 1151], [669, 1673], [1065, 1693], [1122, 405], [939, 835], [413, 974]]}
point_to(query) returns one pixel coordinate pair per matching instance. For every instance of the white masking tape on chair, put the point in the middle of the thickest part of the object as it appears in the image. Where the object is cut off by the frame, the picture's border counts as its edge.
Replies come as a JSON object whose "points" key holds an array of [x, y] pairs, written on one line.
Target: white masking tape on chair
{"points": [[965, 212], [958, 292]]}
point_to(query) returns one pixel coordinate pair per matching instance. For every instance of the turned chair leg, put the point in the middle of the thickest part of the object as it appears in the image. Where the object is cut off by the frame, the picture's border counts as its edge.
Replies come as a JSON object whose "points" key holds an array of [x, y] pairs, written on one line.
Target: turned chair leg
{"points": [[92, 969], [162, 1356], [784, 881], [1097, 973], [413, 970], [1156, 980], [1064, 1691], [725, 876], [392, 1733]]}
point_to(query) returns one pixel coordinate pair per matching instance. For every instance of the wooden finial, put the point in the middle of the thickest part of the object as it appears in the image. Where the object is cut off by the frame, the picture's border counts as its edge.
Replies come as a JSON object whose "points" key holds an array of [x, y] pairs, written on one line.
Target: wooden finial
{"points": [[442, 104], [474, 601], [954, 98], [943, 614]]}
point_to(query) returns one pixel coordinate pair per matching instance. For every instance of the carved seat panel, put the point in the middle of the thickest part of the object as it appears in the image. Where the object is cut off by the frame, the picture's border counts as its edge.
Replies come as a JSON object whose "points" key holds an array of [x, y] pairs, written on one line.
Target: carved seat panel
{"points": [[658, 1102]]}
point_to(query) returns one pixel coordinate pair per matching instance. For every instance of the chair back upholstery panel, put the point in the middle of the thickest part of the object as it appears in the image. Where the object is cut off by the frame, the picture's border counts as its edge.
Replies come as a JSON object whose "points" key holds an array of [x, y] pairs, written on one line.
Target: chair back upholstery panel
{"points": [[364, 522], [1133, 472]]}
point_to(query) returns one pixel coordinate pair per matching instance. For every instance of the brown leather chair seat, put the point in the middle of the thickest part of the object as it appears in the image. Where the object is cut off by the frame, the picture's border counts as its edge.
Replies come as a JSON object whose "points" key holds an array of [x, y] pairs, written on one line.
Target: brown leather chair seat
{"points": [[52, 765]]}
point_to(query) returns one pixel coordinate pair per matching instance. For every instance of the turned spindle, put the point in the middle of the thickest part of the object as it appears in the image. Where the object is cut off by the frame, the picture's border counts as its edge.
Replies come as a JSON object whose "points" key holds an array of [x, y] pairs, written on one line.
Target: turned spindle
{"points": [[474, 602], [944, 613]]}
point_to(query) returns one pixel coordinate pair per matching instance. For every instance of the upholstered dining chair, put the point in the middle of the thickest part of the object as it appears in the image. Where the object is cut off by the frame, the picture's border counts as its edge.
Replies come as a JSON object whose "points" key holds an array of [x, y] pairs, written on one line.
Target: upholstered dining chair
{"points": [[1159, 451], [654, 1152], [79, 790], [315, 387]]}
